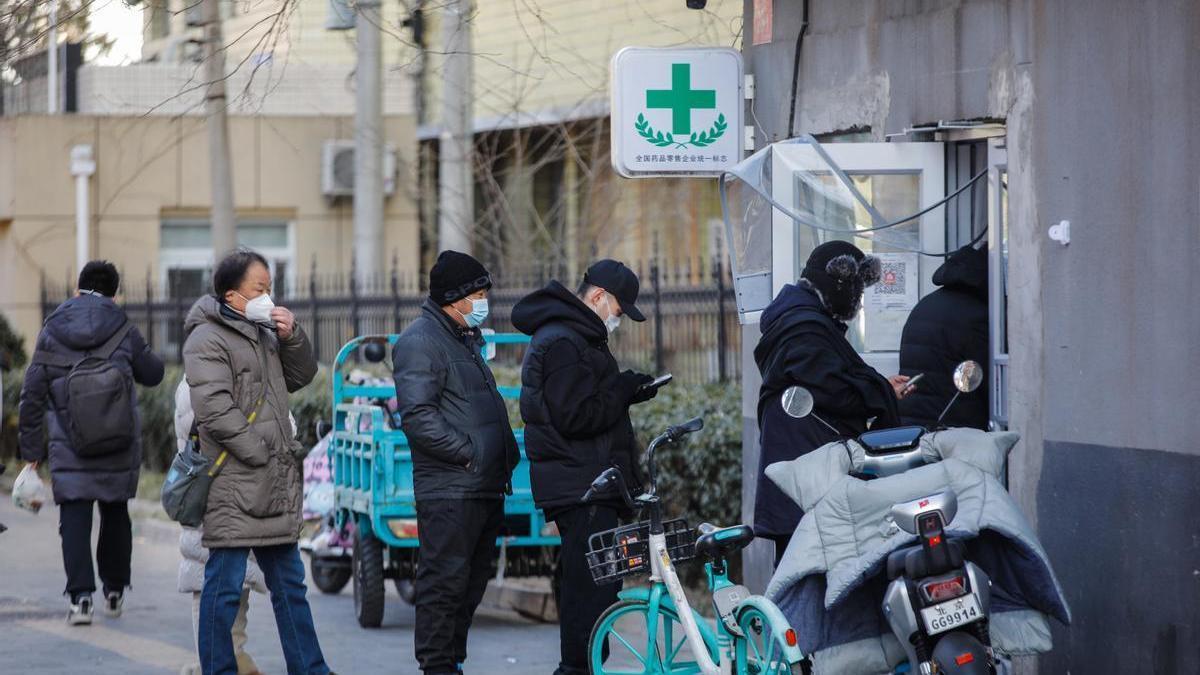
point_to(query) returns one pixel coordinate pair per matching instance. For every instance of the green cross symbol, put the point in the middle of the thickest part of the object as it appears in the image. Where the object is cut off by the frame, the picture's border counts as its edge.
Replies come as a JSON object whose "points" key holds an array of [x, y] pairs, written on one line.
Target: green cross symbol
{"points": [[681, 99]]}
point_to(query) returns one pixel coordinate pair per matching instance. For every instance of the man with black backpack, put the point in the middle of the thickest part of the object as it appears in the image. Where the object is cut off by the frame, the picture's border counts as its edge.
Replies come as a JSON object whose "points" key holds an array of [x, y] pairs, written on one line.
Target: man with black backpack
{"points": [[80, 380]]}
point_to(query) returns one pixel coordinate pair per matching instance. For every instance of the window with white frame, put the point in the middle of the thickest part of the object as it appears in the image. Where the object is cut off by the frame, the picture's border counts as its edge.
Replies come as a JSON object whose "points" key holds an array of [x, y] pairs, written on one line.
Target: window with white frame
{"points": [[186, 258]]}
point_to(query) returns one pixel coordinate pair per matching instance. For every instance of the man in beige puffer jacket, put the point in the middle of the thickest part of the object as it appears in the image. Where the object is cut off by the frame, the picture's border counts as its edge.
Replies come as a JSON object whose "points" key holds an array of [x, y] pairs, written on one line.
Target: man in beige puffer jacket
{"points": [[242, 358]]}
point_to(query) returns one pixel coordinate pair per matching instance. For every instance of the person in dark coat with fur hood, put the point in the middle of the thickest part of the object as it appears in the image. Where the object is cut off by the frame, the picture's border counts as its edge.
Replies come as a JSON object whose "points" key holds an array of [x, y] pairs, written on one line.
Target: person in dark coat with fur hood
{"points": [[804, 343], [88, 324], [947, 327]]}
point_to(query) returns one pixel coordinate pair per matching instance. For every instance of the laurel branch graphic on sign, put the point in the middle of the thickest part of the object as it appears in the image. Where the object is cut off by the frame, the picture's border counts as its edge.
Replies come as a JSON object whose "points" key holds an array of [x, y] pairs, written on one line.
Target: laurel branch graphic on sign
{"points": [[663, 140]]}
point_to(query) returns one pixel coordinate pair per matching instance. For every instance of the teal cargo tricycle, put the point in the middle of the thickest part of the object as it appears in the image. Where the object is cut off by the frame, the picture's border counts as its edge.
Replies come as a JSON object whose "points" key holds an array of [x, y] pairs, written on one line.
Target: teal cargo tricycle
{"points": [[373, 487]]}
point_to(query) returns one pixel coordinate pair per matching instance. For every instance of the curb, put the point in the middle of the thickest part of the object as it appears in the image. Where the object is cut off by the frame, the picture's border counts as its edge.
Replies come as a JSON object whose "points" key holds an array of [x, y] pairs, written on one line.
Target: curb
{"points": [[529, 597]]}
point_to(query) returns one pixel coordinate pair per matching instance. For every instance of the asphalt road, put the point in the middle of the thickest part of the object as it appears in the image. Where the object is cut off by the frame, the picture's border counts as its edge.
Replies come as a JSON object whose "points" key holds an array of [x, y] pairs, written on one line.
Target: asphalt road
{"points": [[154, 636]]}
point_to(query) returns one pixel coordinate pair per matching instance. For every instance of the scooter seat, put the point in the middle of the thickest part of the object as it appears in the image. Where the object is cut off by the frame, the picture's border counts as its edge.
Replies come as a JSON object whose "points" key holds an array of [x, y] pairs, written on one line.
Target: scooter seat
{"points": [[720, 542], [920, 566]]}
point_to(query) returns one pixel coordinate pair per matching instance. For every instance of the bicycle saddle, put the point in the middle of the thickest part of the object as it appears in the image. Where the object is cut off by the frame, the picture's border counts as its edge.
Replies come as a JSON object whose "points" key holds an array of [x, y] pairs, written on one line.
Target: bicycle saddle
{"points": [[716, 542]]}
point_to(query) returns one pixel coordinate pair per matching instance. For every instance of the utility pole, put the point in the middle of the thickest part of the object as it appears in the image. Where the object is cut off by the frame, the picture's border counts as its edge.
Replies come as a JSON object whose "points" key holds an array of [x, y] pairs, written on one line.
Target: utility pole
{"points": [[224, 228], [52, 61], [456, 183], [368, 146]]}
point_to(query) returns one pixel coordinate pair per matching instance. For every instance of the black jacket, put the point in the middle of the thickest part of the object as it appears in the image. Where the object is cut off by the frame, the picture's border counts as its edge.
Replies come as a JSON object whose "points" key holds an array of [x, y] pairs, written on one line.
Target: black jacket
{"points": [[455, 421], [802, 345], [79, 325], [574, 400], [947, 327]]}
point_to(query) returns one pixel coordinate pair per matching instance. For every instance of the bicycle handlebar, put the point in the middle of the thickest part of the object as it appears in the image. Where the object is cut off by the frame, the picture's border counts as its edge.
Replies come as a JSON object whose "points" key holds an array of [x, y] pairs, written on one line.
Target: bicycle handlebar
{"points": [[612, 477]]}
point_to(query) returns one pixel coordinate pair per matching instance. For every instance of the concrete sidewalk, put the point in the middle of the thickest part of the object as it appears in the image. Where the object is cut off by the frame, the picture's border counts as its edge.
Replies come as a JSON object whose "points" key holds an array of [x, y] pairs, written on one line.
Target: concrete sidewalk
{"points": [[155, 633]]}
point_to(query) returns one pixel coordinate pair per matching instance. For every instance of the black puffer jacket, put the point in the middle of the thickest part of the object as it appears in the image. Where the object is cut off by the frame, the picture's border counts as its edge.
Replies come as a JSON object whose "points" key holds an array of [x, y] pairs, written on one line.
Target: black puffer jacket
{"points": [[803, 345], [947, 327], [80, 325], [450, 410], [574, 400]]}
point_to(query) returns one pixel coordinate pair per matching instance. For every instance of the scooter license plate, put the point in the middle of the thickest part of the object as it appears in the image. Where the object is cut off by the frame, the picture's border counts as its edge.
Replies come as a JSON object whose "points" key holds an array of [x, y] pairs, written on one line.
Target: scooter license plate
{"points": [[951, 614]]}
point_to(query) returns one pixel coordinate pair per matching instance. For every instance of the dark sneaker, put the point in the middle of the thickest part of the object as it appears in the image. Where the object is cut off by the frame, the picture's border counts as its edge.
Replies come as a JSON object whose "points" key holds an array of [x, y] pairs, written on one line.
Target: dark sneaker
{"points": [[113, 602], [80, 613]]}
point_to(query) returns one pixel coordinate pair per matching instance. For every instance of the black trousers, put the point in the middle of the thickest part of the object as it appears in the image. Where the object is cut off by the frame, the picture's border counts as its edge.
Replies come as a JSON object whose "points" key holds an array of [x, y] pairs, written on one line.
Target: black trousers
{"points": [[456, 559], [580, 601], [113, 549]]}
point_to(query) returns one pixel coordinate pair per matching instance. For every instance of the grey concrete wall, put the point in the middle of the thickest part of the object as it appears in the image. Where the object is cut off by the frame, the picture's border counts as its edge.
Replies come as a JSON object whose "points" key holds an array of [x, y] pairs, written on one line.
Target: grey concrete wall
{"points": [[1100, 100], [886, 65], [1117, 87]]}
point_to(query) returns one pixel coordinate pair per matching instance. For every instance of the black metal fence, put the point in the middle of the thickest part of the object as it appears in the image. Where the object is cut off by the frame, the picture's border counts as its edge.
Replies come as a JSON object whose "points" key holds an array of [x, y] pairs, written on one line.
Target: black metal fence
{"points": [[690, 330]]}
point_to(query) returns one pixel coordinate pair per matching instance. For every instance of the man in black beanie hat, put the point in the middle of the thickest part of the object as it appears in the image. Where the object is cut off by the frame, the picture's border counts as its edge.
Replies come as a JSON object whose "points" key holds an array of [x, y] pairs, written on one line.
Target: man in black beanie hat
{"points": [[804, 343], [463, 454]]}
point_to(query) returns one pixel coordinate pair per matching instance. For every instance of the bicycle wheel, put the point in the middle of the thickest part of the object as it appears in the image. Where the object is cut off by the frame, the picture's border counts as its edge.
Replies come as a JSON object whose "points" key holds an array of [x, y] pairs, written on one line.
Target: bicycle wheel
{"points": [[761, 651], [623, 629]]}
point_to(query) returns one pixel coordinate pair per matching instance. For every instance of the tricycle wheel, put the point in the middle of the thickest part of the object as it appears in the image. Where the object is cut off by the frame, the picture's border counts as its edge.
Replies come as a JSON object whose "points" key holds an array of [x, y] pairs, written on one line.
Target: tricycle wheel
{"points": [[407, 590], [329, 576], [368, 578]]}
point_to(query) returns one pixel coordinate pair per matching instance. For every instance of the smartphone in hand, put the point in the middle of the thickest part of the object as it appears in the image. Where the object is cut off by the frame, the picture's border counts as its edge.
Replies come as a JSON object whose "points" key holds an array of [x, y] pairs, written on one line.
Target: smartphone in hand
{"points": [[912, 382], [656, 382]]}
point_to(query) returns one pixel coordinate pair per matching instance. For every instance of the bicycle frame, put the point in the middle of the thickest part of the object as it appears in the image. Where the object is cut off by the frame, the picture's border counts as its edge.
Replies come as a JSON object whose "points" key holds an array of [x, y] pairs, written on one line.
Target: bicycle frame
{"points": [[714, 650], [663, 576]]}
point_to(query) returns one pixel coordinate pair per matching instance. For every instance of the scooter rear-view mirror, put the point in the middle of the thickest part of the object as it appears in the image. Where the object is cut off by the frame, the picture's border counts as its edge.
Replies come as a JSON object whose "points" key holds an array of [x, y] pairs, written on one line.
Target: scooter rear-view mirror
{"points": [[797, 402], [968, 376]]}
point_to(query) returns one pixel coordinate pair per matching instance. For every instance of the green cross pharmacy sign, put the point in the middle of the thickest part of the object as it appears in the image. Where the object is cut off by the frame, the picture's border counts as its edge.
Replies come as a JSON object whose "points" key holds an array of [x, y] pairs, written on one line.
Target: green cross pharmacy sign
{"points": [[676, 111]]}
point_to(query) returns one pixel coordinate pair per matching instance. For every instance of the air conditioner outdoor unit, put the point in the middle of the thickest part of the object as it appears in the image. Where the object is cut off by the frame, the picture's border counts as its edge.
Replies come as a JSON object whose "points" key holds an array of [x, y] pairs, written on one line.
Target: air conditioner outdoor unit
{"points": [[337, 169]]}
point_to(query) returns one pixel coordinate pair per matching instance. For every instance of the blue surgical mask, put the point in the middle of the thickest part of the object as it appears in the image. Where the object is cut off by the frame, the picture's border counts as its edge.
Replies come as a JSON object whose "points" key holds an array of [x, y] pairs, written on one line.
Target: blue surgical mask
{"points": [[479, 312]]}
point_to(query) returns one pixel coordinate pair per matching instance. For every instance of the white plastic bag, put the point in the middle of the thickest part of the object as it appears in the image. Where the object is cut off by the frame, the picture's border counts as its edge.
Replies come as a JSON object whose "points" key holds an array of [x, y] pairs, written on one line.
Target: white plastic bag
{"points": [[29, 492]]}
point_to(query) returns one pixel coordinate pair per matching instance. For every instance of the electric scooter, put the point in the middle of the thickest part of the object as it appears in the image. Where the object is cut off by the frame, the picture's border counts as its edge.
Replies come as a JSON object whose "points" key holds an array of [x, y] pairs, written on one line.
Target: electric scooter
{"points": [[937, 602]]}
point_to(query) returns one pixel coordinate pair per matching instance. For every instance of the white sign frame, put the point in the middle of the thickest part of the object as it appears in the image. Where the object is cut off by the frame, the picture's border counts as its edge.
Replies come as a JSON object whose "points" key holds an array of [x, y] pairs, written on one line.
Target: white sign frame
{"points": [[645, 140]]}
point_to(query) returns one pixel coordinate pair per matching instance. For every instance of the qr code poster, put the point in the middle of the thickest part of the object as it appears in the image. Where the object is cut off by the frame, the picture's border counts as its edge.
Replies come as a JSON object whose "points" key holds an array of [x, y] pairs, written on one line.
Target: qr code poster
{"points": [[899, 283]]}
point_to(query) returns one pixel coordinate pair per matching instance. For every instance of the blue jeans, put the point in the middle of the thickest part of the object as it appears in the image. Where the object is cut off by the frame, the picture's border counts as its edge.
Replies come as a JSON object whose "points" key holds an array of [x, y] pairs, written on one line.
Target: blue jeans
{"points": [[222, 594]]}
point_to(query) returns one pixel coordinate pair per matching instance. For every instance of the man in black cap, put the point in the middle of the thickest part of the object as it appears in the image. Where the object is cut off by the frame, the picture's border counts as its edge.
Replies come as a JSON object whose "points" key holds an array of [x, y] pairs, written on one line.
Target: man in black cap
{"points": [[463, 454], [804, 343], [575, 403]]}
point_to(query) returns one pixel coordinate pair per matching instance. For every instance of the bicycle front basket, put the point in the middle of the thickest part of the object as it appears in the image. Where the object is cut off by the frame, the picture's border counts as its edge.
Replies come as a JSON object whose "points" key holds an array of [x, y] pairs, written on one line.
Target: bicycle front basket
{"points": [[625, 551]]}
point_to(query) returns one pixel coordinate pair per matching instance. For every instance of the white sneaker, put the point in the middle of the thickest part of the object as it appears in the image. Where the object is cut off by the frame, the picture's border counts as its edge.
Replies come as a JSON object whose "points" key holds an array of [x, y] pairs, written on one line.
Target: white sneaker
{"points": [[80, 613], [113, 602]]}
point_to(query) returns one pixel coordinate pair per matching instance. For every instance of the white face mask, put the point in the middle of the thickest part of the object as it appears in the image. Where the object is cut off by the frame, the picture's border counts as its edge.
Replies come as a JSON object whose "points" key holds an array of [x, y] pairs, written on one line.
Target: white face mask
{"points": [[259, 309], [612, 321]]}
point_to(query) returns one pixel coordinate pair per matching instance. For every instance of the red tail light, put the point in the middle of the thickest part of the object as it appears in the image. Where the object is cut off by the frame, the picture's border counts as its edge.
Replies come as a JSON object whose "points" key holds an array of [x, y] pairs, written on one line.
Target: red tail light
{"points": [[790, 636], [944, 589], [964, 659]]}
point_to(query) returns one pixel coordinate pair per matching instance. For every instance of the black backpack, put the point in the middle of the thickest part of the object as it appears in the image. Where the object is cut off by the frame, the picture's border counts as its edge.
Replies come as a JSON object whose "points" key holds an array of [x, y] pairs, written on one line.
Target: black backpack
{"points": [[100, 410]]}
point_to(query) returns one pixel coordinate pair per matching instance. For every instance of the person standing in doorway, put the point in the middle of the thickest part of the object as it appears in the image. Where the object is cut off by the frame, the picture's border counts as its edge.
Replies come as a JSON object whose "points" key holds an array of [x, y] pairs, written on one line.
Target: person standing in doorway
{"points": [[575, 402], [463, 454], [87, 359], [947, 327], [242, 357]]}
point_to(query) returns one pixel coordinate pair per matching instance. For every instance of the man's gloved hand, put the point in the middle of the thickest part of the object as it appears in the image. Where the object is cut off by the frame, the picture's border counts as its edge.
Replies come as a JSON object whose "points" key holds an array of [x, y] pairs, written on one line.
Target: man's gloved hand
{"points": [[631, 381]]}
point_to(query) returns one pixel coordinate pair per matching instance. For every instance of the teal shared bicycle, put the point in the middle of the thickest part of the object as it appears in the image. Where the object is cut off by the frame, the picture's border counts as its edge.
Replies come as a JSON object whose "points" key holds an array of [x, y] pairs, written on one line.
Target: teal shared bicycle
{"points": [[654, 630]]}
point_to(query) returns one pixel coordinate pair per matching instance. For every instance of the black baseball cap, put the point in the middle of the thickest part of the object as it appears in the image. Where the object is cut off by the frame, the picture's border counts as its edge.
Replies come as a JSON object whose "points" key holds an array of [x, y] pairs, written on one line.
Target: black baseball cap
{"points": [[614, 277]]}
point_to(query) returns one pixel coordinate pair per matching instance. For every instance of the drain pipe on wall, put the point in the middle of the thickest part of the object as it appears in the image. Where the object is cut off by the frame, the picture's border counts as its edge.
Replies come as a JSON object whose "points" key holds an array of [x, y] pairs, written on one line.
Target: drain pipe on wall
{"points": [[791, 127], [82, 168]]}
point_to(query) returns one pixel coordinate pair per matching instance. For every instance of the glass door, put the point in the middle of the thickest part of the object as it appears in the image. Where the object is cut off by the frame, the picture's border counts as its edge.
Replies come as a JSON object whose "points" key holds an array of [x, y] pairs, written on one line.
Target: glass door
{"points": [[891, 181], [998, 271]]}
